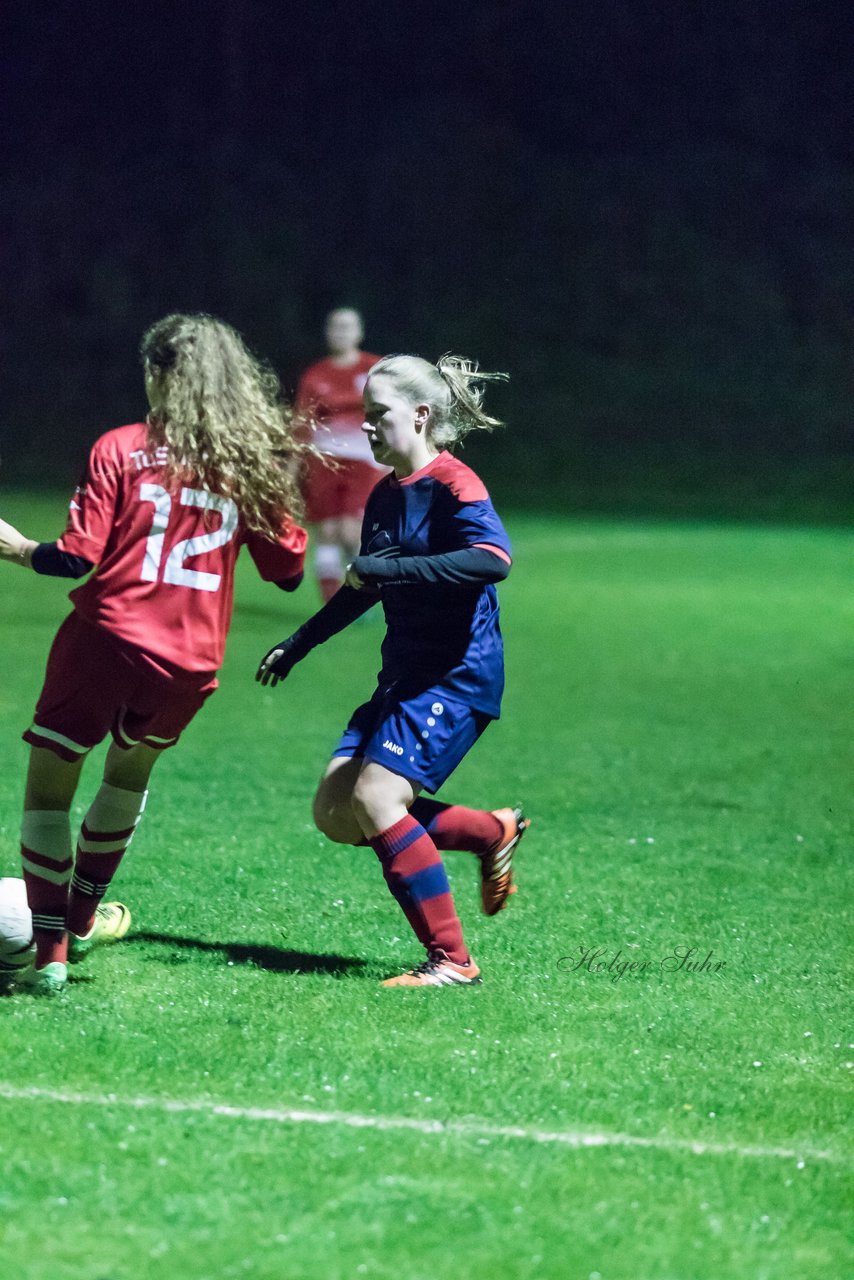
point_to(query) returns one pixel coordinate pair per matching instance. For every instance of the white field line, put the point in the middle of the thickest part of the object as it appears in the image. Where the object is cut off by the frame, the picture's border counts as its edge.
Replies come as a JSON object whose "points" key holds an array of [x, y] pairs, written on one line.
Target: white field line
{"points": [[576, 1139]]}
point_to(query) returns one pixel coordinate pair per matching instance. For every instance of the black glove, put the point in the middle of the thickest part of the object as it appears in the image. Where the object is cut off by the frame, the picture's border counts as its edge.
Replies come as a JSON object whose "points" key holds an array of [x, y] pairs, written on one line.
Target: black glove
{"points": [[345, 607], [280, 661]]}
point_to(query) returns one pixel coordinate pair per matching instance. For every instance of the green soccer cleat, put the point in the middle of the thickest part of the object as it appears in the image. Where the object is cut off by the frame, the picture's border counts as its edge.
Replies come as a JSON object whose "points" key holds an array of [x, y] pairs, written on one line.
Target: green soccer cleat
{"points": [[49, 981], [112, 921]]}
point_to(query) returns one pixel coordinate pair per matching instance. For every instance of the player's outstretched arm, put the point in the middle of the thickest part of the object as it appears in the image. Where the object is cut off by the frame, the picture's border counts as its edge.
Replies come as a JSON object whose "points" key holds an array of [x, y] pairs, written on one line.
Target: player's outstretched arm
{"points": [[345, 607], [469, 567], [279, 662], [14, 546], [45, 557]]}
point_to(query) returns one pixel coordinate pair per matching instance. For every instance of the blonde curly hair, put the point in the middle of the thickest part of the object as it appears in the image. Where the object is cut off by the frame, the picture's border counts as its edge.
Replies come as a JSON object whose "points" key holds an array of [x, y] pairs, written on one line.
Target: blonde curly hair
{"points": [[217, 409], [452, 388]]}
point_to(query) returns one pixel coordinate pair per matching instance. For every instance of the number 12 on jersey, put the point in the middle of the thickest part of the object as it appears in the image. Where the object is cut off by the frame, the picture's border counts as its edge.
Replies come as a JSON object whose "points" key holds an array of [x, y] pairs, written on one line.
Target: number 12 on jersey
{"points": [[174, 570]]}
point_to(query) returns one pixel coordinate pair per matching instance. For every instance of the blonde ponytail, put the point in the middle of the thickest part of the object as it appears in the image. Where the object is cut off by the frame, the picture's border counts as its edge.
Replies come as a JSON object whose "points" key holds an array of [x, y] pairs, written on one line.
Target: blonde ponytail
{"points": [[465, 379], [452, 388]]}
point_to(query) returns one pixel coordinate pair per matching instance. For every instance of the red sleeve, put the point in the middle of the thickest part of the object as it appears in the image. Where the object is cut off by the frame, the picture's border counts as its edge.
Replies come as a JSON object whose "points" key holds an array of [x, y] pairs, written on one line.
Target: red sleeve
{"points": [[91, 512], [281, 558]]}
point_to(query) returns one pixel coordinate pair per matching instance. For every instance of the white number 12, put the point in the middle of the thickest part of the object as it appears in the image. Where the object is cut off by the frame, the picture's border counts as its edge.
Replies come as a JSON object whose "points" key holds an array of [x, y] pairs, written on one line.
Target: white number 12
{"points": [[174, 571]]}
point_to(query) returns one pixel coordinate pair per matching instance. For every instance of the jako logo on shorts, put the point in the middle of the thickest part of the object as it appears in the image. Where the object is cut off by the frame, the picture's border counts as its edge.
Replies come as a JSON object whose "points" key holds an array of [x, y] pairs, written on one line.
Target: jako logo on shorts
{"points": [[392, 746]]}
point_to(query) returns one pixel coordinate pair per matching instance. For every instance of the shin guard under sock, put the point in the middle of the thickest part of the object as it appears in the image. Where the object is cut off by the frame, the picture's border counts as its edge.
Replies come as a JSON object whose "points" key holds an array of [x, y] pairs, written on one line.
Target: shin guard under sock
{"points": [[105, 834]]}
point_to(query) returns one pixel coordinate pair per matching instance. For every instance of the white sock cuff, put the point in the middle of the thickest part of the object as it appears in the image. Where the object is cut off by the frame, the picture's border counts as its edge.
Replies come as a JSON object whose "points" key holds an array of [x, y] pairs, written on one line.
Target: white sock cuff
{"points": [[115, 809], [327, 561], [48, 833]]}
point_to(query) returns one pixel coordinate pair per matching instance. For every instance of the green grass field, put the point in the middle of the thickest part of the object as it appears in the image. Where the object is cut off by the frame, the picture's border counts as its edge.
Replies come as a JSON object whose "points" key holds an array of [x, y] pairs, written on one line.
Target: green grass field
{"points": [[230, 1093]]}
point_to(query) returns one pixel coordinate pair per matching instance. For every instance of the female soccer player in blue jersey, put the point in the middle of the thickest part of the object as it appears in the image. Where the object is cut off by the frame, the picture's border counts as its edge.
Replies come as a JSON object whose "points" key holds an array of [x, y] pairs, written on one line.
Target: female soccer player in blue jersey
{"points": [[432, 550]]}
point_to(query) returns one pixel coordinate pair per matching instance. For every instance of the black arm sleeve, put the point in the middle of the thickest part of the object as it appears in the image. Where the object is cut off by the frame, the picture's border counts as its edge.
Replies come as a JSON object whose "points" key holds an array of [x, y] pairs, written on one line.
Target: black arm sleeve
{"points": [[473, 566], [345, 607], [49, 560], [289, 584]]}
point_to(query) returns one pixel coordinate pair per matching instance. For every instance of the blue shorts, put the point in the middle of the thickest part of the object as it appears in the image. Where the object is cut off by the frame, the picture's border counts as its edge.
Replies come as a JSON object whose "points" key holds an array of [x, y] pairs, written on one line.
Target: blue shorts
{"points": [[423, 738]]}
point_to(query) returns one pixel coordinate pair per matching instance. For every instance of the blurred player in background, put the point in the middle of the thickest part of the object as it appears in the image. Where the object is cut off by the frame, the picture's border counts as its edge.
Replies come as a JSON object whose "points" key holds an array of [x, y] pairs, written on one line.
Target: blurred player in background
{"points": [[163, 510], [329, 398], [432, 548]]}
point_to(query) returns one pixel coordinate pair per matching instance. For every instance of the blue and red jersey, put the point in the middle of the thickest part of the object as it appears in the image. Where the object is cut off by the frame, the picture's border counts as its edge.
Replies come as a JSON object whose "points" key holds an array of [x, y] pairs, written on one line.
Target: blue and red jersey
{"points": [[439, 634]]}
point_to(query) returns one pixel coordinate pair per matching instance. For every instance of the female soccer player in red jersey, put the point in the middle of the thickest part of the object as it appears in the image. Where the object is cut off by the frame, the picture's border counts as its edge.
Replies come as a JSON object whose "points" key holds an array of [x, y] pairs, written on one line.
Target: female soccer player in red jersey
{"points": [[163, 511], [432, 549], [329, 398]]}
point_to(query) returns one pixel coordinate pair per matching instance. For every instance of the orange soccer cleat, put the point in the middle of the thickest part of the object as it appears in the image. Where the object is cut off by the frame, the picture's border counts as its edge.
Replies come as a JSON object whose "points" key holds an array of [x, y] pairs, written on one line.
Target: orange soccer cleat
{"points": [[496, 867], [438, 971]]}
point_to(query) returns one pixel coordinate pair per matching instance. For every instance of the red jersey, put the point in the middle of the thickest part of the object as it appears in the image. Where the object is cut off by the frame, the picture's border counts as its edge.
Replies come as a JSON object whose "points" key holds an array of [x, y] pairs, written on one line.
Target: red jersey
{"points": [[331, 396], [165, 553]]}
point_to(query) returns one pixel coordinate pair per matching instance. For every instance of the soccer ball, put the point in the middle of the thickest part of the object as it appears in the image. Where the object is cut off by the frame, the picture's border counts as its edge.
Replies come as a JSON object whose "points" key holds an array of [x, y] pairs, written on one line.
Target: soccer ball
{"points": [[16, 927]]}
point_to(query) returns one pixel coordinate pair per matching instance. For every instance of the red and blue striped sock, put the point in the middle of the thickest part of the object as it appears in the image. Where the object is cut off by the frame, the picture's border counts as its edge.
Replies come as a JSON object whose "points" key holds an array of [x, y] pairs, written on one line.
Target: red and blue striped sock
{"points": [[451, 826], [415, 874]]}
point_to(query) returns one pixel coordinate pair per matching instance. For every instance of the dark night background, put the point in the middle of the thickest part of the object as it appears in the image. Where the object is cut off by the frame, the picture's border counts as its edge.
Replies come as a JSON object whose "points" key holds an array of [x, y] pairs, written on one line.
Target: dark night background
{"points": [[643, 211]]}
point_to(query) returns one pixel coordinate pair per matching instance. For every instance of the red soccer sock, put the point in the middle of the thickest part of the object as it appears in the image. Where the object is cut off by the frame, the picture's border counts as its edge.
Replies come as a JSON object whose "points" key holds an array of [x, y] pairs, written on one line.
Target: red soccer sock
{"points": [[451, 826], [415, 874], [47, 904], [106, 832], [91, 880], [46, 861]]}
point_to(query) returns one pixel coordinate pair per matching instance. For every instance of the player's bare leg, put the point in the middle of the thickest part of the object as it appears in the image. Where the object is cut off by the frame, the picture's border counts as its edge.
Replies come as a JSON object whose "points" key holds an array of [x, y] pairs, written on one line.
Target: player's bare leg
{"points": [[338, 542], [328, 561], [350, 536], [333, 801], [130, 769], [381, 798], [51, 781]]}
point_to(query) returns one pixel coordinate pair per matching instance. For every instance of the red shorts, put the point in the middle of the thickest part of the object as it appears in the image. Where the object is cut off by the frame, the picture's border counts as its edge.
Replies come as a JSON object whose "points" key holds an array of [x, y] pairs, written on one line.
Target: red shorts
{"points": [[341, 491], [96, 684]]}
